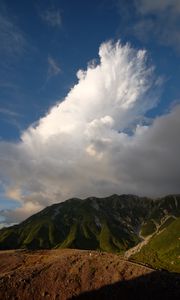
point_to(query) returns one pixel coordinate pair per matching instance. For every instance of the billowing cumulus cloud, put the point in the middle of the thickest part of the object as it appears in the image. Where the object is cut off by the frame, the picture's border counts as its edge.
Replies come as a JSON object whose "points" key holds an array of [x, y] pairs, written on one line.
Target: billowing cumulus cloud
{"points": [[95, 142]]}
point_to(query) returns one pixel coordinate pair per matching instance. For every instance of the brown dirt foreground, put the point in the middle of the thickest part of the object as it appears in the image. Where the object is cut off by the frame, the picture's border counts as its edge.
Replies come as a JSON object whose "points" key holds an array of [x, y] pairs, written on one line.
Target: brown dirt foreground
{"points": [[78, 274]]}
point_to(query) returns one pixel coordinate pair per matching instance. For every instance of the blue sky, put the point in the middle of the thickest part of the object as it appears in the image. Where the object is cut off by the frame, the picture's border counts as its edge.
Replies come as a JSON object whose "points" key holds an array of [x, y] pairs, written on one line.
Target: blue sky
{"points": [[28, 89], [44, 44]]}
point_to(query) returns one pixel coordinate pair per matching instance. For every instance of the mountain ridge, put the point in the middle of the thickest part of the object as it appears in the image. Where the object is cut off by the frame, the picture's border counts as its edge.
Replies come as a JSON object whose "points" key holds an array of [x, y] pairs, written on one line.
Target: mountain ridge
{"points": [[112, 224]]}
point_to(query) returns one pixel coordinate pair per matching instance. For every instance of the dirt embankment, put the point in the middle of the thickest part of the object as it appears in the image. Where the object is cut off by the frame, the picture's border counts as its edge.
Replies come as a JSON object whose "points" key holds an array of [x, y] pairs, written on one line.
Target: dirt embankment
{"points": [[62, 274]]}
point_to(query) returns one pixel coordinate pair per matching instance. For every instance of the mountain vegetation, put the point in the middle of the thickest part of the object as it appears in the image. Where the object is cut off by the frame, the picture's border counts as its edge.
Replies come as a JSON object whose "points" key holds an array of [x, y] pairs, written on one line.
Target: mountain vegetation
{"points": [[163, 250], [111, 224]]}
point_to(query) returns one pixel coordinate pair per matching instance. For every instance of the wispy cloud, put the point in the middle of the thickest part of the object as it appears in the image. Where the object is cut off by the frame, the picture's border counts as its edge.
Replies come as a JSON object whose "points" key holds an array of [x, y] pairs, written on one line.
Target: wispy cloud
{"points": [[53, 67], [158, 20], [12, 38], [146, 6], [11, 117], [52, 17], [9, 112]]}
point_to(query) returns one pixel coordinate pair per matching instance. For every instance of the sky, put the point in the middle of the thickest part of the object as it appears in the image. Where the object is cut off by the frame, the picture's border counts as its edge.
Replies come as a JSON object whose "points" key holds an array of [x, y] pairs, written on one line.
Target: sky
{"points": [[89, 101]]}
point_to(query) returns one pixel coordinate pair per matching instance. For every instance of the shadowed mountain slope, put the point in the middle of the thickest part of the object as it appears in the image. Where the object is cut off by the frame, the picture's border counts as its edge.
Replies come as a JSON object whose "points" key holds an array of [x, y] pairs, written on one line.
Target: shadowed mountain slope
{"points": [[112, 224]]}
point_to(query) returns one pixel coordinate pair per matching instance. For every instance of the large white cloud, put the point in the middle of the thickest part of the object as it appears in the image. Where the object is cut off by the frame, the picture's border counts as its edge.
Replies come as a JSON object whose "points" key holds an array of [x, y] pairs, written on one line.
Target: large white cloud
{"points": [[82, 148]]}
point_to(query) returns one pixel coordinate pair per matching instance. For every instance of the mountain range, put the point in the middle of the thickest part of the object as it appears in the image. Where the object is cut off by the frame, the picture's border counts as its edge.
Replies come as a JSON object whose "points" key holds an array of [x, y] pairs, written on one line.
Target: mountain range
{"points": [[145, 229]]}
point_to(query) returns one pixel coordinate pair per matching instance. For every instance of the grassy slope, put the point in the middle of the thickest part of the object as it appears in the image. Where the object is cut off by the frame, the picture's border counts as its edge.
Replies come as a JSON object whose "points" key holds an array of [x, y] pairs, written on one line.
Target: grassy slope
{"points": [[104, 224], [163, 250], [148, 228], [109, 224]]}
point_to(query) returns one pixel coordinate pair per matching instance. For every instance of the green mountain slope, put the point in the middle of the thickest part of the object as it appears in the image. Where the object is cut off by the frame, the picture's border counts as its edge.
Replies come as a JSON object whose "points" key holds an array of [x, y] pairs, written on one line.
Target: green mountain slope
{"points": [[112, 224], [108, 224], [163, 249], [164, 207]]}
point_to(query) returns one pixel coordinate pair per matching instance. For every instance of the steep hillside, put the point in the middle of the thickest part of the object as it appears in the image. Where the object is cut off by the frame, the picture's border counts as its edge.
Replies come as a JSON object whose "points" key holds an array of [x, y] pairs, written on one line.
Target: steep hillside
{"points": [[112, 224], [163, 212], [163, 249], [109, 224]]}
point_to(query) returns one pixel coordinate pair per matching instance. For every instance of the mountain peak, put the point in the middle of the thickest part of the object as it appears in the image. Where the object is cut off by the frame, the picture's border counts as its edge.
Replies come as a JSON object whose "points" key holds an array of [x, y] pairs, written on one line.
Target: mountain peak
{"points": [[114, 224]]}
